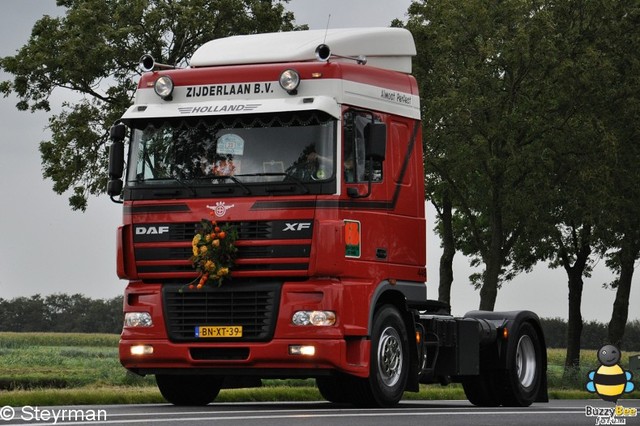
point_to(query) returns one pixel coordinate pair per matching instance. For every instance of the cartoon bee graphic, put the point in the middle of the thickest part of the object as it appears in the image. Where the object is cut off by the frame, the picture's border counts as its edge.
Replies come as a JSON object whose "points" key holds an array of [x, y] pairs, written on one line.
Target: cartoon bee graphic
{"points": [[609, 381]]}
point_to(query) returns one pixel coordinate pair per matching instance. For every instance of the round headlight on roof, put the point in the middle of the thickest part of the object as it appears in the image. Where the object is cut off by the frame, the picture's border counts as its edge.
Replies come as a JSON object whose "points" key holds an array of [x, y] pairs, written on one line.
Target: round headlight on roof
{"points": [[289, 81], [164, 87]]}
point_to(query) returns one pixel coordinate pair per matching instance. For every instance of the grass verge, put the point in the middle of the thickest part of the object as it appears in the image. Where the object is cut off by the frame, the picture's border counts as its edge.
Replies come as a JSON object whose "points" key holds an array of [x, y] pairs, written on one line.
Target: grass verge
{"points": [[42, 369]]}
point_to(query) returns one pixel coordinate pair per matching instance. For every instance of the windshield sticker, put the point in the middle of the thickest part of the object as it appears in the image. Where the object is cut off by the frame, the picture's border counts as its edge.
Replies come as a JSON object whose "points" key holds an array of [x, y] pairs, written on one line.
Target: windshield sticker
{"points": [[352, 238], [230, 144]]}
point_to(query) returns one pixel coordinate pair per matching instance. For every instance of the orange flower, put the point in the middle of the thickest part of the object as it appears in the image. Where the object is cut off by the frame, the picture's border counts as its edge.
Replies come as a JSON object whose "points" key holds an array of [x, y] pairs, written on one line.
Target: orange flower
{"points": [[213, 253]]}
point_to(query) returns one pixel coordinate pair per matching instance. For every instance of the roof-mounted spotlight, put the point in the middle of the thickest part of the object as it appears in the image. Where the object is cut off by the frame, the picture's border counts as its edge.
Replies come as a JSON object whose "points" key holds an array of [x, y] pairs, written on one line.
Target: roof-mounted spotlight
{"points": [[164, 87], [289, 81]]}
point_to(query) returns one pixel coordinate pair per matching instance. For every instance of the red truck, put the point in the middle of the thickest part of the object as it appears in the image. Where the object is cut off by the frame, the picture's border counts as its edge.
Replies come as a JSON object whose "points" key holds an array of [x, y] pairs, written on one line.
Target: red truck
{"points": [[308, 146]]}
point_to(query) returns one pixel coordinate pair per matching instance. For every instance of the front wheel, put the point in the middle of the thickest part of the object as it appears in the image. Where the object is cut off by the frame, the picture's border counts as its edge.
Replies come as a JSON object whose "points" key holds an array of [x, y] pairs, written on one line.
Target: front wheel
{"points": [[189, 390], [334, 389], [389, 362]]}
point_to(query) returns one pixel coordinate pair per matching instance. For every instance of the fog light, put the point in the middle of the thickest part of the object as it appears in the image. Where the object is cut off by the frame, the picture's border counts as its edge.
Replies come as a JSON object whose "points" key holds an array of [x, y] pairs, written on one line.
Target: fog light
{"points": [[138, 319], [289, 81], [164, 87], [306, 350], [318, 318], [138, 350]]}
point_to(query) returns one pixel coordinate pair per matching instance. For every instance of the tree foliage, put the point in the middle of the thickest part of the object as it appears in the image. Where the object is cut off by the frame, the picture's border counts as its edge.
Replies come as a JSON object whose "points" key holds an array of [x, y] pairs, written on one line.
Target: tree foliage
{"points": [[61, 313], [93, 51], [530, 112], [480, 65]]}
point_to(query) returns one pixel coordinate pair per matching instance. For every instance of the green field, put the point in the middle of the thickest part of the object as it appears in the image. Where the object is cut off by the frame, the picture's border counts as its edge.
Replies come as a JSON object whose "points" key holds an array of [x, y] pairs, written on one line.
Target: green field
{"points": [[63, 368]]}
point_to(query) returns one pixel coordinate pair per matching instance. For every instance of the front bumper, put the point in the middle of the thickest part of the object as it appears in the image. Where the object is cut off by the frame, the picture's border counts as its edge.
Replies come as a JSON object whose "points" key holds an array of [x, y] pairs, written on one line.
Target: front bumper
{"points": [[343, 347], [272, 359]]}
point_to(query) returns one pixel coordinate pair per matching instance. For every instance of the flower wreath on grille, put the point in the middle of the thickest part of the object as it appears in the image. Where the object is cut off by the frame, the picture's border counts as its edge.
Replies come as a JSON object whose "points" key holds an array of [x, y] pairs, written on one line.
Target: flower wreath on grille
{"points": [[214, 253]]}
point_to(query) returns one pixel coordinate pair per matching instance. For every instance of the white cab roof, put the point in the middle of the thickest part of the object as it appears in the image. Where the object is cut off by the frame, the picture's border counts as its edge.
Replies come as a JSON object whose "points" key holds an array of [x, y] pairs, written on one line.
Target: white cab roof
{"points": [[389, 48]]}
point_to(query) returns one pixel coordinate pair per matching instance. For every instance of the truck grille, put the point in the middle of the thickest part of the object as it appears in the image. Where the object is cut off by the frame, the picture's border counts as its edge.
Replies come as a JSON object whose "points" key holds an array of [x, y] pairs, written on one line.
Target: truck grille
{"points": [[276, 247], [254, 306]]}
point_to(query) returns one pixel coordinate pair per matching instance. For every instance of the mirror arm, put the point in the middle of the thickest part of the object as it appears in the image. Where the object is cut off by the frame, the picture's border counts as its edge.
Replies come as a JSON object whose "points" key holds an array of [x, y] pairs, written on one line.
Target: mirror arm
{"points": [[352, 192]]}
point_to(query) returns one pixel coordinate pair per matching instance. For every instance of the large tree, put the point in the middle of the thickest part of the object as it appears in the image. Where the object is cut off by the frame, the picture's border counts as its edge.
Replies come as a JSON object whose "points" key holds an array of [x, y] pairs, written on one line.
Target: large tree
{"points": [[525, 124], [93, 51], [480, 67], [622, 117]]}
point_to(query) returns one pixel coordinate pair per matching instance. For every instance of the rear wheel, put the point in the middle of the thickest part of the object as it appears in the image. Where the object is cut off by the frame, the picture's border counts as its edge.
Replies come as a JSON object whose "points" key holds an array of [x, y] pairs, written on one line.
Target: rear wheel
{"points": [[389, 362], [518, 384], [523, 378], [189, 390]]}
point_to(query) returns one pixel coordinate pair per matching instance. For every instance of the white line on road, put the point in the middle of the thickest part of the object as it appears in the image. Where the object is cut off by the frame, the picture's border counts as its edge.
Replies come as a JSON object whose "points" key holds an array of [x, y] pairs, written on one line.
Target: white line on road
{"points": [[218, 417]]}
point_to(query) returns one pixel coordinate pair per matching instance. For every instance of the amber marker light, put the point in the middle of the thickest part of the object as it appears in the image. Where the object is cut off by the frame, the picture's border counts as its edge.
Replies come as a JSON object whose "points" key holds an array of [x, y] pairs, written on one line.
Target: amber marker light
{"points": [[505, 333]]}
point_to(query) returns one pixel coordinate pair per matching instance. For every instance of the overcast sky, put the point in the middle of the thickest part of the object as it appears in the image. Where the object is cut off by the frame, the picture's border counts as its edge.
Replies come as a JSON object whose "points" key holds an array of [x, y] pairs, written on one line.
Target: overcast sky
{"points": [[45, 247]]}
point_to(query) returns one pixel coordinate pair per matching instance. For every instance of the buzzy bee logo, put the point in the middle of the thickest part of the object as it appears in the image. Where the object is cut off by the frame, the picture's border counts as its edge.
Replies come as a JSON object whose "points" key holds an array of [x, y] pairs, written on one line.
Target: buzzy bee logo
{"points": [[610, 381]]}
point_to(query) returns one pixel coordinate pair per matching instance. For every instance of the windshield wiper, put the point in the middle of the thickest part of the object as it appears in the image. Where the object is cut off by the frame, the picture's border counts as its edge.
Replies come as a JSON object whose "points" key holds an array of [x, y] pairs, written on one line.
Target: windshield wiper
{"points": [[184, 184], [247, 190], [295, 180]]}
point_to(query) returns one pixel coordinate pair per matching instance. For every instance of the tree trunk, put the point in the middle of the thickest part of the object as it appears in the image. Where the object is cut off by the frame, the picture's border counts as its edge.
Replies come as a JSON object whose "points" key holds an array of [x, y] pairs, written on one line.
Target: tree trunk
{"points": [[628, 255], [493, 259], [574, 324], [574, 321], [449, 250]]}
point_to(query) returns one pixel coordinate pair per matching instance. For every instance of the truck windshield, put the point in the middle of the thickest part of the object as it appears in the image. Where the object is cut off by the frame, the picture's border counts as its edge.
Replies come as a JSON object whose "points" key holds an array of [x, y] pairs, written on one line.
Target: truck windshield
{"points": [[234, 150]]}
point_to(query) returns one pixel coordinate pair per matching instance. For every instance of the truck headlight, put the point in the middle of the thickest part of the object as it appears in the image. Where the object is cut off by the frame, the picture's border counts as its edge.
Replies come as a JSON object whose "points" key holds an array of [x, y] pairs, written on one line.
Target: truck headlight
{"points": [[138, 319], [317, 318]]}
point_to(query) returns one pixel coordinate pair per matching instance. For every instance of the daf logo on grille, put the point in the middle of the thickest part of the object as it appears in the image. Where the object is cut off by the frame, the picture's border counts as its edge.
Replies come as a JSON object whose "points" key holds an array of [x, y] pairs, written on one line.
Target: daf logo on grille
{"points": [[151, 230], [220, 209], [296, 226]]}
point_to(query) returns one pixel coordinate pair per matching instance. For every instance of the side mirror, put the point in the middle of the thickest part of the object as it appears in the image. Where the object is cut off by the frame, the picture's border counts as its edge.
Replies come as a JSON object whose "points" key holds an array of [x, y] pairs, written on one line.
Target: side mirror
{"points": [[114, 187], [116, 160], [118, 132], [376, 141]]}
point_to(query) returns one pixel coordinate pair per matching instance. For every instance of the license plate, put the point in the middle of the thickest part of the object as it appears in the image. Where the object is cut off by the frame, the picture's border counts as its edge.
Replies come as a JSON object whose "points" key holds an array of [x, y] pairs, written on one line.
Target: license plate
{"points": [[213, 332]]}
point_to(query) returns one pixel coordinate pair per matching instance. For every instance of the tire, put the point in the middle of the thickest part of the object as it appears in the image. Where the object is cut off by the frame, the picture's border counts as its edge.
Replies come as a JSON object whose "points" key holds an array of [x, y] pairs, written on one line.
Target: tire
{"points": [[481, 390], [523, 377], [519, 384], [189, 390], [388, 364], [334, 389]]}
